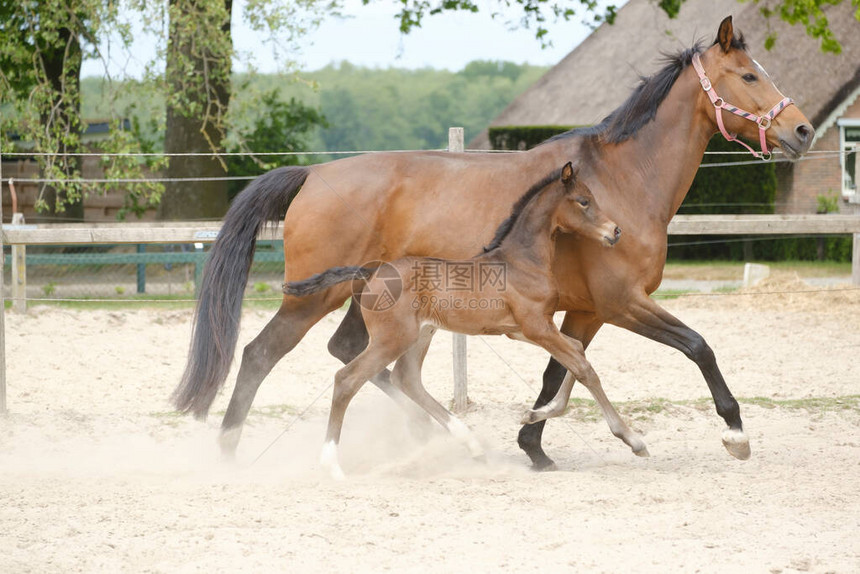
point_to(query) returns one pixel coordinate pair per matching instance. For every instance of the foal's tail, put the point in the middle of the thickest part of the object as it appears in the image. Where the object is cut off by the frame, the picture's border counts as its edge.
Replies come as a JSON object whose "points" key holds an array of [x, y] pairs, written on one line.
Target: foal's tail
{"points": [[326, 279], [216, 319]]}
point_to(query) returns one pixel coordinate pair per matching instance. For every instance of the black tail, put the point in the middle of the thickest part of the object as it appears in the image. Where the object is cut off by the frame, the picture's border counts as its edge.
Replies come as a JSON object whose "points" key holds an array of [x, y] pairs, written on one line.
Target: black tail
{"points": [[216, 320], [326, 279]]}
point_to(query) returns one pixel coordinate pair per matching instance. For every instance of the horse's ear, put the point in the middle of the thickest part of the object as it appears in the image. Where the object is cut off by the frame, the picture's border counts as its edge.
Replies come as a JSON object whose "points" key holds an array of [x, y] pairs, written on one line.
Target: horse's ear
{"points": [[567, 173], [725, 34]]}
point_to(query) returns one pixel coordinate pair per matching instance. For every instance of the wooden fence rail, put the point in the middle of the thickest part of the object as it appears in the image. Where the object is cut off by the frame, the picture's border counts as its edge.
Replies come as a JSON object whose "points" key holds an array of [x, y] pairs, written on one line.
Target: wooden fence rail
{"points": [[19, 236], [191, 232]]}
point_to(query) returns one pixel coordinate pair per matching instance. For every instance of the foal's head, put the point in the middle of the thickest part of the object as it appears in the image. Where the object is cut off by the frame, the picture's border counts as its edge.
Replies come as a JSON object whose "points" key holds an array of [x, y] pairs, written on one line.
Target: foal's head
{"points": [[578, 211]]}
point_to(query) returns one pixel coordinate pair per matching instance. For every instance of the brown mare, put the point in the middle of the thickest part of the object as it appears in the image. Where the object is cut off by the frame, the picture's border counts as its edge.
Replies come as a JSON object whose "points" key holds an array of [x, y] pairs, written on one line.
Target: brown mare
{"points": [[508, 290], [639, 163]]}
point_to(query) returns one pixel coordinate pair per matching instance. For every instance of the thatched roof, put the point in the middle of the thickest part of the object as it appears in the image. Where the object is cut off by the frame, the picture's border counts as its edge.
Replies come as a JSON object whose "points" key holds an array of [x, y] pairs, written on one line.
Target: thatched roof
{"points": [[599, 74]]}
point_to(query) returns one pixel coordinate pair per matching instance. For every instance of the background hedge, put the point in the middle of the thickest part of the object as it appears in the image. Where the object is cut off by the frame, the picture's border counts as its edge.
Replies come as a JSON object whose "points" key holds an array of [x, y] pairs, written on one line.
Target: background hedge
{"points": [[742, 189]]}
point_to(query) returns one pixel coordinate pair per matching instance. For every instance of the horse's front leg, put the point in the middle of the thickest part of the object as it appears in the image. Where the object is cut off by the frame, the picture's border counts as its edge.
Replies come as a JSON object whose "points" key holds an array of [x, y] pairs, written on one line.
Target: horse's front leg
{"points": [[582, 327], [647, 318]]}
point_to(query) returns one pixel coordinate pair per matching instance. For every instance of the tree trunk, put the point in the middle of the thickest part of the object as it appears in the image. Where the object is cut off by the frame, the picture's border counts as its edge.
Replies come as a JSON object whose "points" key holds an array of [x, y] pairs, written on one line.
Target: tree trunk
{"points": [[198, 77], [62, 66]]}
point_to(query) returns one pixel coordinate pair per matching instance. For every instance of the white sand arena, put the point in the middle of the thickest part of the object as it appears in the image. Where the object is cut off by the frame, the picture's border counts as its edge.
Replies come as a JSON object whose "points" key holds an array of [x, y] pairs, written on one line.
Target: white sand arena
{"points": [[97, 474]]}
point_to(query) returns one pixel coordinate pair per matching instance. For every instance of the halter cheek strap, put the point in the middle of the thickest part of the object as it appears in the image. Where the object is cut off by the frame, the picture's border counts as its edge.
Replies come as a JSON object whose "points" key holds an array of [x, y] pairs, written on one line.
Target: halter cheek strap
{"points": [[763, 121]]}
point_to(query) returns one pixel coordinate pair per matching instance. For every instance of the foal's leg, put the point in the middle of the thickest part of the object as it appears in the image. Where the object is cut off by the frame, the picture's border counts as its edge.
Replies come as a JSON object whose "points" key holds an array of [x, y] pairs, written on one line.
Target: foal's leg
{"points": [[348, 381], [580, 326], [349, 340], [570, 353], [278, 337], [556, 405], [647, 318], [407, 376]]}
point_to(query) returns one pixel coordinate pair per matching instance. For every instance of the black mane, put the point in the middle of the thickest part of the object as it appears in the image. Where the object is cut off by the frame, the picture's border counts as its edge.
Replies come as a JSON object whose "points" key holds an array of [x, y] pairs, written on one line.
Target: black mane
{"points": [[505, 228], [641, 107]]}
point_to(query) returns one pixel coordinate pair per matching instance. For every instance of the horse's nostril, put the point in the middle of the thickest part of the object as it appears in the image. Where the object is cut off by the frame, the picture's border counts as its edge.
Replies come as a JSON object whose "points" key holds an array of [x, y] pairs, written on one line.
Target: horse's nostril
{"points": [[617, 232], [804, 132]]}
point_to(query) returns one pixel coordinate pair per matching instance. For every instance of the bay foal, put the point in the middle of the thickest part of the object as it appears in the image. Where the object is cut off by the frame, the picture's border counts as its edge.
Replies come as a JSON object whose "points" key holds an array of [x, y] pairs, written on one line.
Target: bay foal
{"points": [[509, 289]]}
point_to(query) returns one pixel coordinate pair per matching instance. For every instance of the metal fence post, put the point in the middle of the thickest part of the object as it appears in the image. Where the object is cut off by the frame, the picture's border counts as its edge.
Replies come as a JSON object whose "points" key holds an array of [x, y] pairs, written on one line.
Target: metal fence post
{"points": [[461, 398], [141, 270]]}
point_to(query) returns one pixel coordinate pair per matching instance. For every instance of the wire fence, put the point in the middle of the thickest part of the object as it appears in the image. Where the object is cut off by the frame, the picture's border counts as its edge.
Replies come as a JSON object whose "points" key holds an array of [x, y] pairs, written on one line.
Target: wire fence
{"points": [[170, 272]]}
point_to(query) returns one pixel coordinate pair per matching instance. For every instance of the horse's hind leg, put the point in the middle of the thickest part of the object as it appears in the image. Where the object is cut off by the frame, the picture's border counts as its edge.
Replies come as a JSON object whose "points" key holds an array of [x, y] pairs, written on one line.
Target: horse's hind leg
{"points": [[349, 340], [278, 337], [407, 376], [347, 382]]}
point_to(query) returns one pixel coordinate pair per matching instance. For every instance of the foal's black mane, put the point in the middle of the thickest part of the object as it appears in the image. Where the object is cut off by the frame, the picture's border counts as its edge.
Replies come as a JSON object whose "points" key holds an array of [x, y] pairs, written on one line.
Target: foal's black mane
{"points": [[641, 107], [505, 228]]}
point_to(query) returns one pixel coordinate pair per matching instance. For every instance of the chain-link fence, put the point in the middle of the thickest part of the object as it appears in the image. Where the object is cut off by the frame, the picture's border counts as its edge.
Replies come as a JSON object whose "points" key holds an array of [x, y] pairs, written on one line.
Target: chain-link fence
{"points": [[133, 271]]}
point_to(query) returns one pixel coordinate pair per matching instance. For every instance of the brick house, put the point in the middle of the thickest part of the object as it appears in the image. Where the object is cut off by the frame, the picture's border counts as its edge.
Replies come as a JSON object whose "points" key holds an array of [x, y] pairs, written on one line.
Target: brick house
{"points": [[97, 206], [599, 74]]}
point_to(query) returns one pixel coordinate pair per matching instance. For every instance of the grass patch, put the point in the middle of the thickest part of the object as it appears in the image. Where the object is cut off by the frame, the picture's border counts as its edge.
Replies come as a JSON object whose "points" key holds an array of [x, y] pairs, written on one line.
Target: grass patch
{"points": [[664, 294], [734, 270], [174, 418], [588, 410], [177, 301], [169, 418], [821, 404], [275, 411]]}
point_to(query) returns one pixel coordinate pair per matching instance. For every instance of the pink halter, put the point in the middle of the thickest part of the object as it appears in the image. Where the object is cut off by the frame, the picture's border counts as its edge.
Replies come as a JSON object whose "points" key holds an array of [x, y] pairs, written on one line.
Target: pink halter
{"points": [[720, 105]]}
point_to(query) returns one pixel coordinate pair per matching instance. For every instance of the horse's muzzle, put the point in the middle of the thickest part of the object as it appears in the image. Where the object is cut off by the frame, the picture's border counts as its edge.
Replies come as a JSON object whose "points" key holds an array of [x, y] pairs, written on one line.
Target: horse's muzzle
{"points": [[611, 240]]}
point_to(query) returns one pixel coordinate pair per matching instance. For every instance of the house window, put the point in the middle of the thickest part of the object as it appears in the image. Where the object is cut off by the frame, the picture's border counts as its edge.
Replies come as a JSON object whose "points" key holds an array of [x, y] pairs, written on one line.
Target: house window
{"points": [[849, 144]]}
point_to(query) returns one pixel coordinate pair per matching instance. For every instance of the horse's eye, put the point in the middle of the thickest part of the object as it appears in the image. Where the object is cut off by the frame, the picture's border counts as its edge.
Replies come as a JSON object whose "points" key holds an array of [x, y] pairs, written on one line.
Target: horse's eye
{"points": [[582, 201], [750, 78]]}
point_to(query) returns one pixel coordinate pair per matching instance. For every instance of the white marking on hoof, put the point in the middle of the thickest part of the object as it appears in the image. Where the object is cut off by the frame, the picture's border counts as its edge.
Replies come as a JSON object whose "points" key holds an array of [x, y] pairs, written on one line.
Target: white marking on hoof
{"points": [[639, 447], [532, 416], [554, 408], [328, 460], [462, 433], [228, 440], [737, 443]]}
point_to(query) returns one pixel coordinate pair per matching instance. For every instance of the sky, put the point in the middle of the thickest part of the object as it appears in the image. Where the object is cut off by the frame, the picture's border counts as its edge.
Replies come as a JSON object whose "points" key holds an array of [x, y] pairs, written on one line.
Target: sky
{"points": [[369, 36]]}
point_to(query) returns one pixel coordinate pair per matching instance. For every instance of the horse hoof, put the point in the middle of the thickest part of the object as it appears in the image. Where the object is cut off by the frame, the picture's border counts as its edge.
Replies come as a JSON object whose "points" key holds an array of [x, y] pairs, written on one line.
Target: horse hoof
{"points": [[643, 452], [228, 440], [737, 443], [328, 460], [544, 466]]}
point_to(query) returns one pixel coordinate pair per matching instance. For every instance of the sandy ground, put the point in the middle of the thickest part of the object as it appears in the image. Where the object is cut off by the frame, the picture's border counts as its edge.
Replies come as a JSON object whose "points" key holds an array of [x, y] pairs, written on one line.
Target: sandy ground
{"points": [[98, 475]]}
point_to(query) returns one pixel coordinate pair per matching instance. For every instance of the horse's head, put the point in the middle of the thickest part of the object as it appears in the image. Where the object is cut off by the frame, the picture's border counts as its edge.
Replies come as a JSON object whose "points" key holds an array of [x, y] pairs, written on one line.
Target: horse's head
{"points": [[742, 99], [579, 213]]}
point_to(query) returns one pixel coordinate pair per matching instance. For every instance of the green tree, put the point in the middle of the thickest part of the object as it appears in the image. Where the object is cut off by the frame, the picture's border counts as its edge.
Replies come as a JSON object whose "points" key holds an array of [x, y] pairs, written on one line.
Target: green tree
{"points": [[199, 58], [199, 63], [279, 126]]}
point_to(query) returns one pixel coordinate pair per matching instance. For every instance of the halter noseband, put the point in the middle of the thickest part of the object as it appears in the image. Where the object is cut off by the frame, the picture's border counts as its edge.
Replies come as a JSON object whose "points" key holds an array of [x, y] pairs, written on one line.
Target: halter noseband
{"points": [[720, 105]]}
